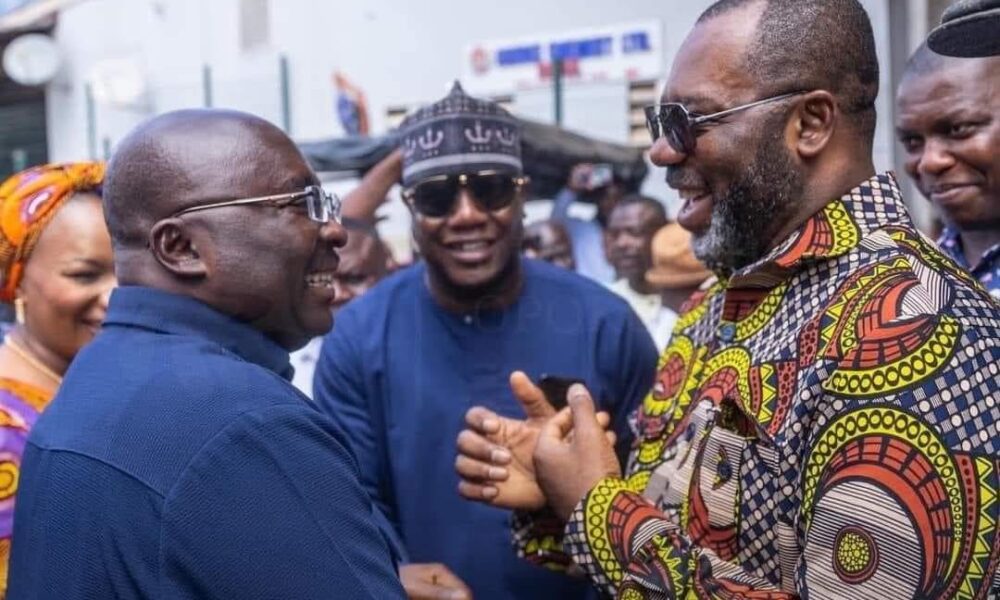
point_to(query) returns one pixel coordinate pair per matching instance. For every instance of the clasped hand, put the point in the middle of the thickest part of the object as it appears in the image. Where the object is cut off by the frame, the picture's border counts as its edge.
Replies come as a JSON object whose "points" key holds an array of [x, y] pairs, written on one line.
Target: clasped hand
{"points": [[549, 458]]}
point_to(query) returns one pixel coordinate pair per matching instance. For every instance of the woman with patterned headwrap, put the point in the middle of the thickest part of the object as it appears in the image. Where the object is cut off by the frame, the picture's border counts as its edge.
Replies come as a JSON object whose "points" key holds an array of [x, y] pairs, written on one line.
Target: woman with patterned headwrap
{"points": [[56, 268]]}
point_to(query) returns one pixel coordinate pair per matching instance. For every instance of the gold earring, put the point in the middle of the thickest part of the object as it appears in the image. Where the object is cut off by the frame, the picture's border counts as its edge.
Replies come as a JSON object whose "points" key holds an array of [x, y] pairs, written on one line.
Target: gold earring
{"points": [[19, 310]]}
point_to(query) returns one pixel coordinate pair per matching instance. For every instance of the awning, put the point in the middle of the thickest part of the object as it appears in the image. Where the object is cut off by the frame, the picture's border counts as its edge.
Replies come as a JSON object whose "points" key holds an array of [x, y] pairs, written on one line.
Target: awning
{"points": [[548, 152]]}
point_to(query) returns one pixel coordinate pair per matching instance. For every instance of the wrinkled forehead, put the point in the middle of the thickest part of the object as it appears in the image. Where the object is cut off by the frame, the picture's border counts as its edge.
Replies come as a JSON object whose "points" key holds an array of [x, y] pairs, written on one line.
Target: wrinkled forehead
{"points": [[973, 81], [710, 68], [633, 214]]}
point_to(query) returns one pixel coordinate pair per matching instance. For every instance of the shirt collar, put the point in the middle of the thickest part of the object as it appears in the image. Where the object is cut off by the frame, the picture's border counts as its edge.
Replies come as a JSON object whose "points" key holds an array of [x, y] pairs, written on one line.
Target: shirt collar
{"points": [[156, 310], [833, 231], [950, 243]]}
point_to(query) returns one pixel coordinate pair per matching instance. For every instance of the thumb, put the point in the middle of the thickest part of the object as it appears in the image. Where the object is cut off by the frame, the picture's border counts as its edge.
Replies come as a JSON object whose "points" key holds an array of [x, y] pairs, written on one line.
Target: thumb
{"points": [[530, 396], [585, 423]]}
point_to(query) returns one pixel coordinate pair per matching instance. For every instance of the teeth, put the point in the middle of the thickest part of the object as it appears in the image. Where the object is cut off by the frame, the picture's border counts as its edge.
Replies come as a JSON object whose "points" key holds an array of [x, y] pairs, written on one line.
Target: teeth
{"points": [[319, 280], [690, 194], [472, 246]]}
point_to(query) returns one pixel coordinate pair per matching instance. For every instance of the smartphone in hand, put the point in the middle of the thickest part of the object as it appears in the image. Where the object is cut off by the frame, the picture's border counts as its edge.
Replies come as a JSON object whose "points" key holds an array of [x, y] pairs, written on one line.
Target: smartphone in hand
{"points": [[556, 389]]}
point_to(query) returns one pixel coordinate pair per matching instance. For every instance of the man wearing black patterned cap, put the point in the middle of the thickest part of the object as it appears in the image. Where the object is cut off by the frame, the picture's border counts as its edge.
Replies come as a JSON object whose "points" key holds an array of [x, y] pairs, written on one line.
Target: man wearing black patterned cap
{"points": [[407, 360], [969, 28]]}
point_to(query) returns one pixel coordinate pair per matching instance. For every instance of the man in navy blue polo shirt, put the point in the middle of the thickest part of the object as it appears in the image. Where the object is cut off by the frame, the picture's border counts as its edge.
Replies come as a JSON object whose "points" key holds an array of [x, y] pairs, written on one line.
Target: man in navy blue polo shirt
{"points": [[177, 461]]}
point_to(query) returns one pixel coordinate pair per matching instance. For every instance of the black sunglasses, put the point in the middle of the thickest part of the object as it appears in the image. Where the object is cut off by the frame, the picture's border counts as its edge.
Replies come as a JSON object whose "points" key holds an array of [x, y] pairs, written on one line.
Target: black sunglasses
{"points": [[437, 196], [678, 124]]}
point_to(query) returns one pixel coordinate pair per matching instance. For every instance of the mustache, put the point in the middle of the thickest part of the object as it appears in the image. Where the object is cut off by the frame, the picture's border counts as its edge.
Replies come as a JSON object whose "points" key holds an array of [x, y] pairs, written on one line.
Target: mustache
{"points": [[680, 178]]}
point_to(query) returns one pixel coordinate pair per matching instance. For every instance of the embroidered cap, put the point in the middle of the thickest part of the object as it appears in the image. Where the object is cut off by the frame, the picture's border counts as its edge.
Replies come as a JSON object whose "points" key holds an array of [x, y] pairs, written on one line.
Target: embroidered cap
{"points": [[968, 28], [459, 134]]}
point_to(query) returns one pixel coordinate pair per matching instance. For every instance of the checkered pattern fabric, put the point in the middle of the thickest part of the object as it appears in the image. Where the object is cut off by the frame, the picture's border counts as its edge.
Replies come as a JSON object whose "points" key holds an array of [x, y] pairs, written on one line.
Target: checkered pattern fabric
{"points": [[863, 386]]}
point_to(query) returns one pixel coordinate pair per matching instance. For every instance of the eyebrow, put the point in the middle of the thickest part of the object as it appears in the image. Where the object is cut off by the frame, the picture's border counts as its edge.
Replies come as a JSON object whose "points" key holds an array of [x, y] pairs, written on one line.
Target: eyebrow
{"points": [[697, 103], [90, 262]]}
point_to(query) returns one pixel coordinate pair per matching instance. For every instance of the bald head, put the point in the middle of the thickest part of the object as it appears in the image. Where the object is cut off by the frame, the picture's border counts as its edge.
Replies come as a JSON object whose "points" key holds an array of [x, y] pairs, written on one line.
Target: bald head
{"points": [[812, 44], [190, 157], [266, 263]]}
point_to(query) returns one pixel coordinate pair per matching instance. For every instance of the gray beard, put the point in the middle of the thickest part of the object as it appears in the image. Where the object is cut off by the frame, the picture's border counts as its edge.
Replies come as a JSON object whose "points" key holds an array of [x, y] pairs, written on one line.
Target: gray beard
{"points": [[753, 209]]}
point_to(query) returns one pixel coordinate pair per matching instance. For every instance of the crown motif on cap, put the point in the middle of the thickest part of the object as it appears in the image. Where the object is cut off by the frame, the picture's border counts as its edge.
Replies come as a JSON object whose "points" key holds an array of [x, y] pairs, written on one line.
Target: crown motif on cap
{"points": [[459, 134]]}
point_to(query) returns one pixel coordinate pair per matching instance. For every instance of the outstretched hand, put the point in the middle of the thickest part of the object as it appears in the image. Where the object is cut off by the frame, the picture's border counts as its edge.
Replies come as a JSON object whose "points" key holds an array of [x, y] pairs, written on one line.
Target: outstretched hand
{"points": [[573, 453], [495, 460]]}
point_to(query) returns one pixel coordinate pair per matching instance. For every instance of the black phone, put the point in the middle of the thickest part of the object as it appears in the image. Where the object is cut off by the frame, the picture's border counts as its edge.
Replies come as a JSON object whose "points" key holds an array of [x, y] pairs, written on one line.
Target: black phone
{"points": [[556, 389]]}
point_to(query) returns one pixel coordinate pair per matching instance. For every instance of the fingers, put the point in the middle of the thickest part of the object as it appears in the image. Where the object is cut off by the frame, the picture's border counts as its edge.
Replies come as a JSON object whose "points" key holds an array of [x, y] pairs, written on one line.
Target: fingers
{"points": [[477, 492], [482, 420], [475, 446], [584, 413], [479, 471], [530, 396], [603, 419], [559, 426], [447, 579], [427, 590]]}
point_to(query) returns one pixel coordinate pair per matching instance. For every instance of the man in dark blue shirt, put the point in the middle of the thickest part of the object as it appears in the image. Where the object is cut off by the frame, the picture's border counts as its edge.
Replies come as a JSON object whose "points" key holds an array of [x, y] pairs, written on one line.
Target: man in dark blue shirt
{"points": [[177, 461], [407, 360]]}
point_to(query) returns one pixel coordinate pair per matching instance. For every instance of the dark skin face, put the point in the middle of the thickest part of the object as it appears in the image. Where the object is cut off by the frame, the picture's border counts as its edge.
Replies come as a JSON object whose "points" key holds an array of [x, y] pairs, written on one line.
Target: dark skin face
{"points": [[549, 242], [756, 175], [363, 262], [472, 254], [67, 281], [628, 242], [606, 199], [264, 264], [948, 122]]}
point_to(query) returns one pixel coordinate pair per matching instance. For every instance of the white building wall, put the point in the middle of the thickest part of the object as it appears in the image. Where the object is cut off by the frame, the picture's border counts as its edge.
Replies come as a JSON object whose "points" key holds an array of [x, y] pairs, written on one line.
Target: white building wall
{"points": [[400, 52]]}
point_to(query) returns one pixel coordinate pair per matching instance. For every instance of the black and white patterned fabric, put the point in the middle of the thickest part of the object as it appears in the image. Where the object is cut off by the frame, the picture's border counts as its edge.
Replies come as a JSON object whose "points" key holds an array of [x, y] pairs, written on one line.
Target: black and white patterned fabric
{"points": [[459, 134]]}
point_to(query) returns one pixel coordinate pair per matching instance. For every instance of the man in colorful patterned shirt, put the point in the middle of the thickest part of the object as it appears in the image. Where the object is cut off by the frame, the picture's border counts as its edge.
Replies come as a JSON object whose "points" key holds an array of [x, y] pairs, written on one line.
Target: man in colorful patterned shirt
{"points": [[824, 422], [948, 121]]}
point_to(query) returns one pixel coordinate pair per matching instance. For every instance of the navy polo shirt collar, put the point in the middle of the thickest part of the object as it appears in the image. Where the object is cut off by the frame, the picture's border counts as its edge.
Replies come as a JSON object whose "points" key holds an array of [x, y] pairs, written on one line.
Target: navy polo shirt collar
{"points": [[156, 310]]}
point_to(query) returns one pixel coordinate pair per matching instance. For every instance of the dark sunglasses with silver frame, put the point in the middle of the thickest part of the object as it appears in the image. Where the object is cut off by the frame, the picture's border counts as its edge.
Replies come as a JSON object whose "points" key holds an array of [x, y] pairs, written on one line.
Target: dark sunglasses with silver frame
{"points": [[675, 122], [437, 196], [321, 205]]}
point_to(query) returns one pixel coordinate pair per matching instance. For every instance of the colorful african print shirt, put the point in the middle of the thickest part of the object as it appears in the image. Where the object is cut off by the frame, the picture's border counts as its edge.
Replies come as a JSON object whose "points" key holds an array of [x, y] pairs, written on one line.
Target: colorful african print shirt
{"points": [[20, 406], [823, 425], [988, 269]]}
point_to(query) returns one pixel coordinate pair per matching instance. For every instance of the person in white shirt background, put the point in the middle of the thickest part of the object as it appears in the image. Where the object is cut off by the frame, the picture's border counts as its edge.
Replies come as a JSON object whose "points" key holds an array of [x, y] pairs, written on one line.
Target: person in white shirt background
{"points": [[628, 243]]}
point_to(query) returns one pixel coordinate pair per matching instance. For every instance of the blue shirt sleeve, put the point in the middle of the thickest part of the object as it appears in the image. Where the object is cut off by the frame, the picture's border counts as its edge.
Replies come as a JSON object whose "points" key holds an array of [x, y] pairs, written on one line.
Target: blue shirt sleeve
{"points": [[340, 391], [271, 507], [627, 358], [560, 205]]}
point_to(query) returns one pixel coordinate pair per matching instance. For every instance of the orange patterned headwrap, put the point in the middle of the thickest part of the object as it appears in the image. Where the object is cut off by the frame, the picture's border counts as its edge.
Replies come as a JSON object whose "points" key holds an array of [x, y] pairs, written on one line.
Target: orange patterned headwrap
{"points": [[28, 201]]}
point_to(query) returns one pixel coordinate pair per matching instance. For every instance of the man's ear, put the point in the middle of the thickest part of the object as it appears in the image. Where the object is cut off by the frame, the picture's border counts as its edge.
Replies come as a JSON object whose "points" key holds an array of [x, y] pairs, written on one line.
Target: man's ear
{"points": [[173, 246], [814, 122]]}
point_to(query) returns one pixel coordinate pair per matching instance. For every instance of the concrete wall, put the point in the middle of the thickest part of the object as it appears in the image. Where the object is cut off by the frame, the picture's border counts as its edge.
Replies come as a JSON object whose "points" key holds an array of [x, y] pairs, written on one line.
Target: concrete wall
{"points": [[400, 52]]}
